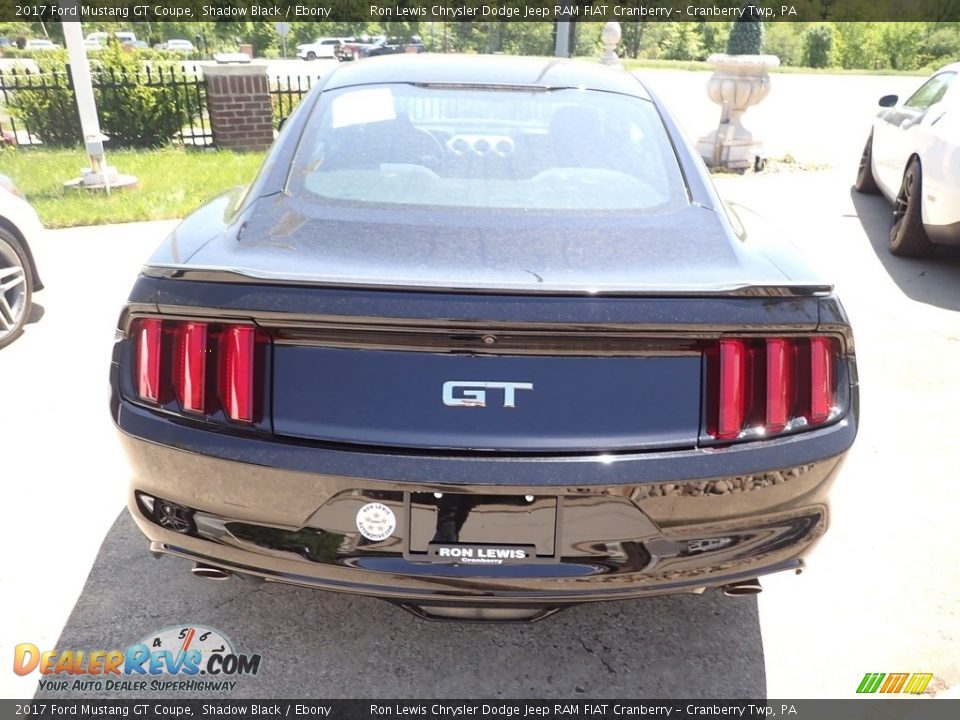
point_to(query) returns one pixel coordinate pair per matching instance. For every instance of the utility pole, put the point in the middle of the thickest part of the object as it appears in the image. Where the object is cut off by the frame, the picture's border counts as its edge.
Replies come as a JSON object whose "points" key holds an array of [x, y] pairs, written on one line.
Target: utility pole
{"points": [[99, 175], [561, 46]]}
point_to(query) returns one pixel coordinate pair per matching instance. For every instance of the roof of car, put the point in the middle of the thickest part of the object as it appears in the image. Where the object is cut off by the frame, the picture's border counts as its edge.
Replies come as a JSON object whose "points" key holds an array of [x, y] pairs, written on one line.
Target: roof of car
{"points": [[492, 70]]}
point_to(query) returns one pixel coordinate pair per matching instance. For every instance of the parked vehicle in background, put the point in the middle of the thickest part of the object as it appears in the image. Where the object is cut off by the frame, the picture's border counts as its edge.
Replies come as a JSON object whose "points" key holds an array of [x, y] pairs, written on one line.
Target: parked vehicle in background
{"points": [[136, 45], [353, 49], [101, 38], [912, 157], [19, 226], [511, 354], [321, 48], [394, 45], [175, 45], [41, 44]]}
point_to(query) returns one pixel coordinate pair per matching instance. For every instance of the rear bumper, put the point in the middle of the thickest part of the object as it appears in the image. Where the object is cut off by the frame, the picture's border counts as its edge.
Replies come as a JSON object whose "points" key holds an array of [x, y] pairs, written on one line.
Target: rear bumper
{"points": [[625, 526]]}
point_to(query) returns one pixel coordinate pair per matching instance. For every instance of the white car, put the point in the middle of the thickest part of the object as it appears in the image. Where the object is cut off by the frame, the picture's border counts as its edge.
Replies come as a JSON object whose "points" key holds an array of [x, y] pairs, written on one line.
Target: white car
{"points": [[19, 226], [178, 45], [41, 44], [912, 157], [322, 48], [101, 38]]}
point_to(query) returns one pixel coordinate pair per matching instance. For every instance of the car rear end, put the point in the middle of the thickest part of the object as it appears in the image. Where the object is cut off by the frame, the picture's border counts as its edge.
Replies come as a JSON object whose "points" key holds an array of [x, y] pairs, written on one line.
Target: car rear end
{"points": [[655, 448], [479, 412]]}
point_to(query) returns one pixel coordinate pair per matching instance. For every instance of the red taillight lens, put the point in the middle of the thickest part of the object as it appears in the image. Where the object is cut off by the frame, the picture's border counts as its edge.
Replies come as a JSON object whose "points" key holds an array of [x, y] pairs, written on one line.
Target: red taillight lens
{"points": [[779, 381], [190, 365], [763, 387], [237, 350], [821, 379], [185, 359], [732, 399], [148, 335]]}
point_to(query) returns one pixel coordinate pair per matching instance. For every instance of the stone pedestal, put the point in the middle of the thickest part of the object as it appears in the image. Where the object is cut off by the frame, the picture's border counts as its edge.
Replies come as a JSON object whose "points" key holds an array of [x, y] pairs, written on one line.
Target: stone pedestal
{"points": [[738, 82], [238, 100], [610, 36]]}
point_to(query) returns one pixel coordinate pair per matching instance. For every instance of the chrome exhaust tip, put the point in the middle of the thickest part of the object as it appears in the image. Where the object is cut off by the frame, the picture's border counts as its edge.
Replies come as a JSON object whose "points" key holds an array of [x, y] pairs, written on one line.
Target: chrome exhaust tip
{"points": [[208, 572], [743, 587]]}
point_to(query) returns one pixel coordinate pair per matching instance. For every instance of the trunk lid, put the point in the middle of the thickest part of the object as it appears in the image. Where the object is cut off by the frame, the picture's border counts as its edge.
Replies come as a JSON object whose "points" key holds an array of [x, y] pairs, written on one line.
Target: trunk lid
{"points": [[685, 251], [508, 403]]}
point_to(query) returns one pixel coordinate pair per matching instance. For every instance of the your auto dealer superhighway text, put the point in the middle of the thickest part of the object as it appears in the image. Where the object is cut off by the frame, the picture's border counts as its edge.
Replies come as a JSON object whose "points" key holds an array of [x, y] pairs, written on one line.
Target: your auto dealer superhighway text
{"points": [[522, 711]]}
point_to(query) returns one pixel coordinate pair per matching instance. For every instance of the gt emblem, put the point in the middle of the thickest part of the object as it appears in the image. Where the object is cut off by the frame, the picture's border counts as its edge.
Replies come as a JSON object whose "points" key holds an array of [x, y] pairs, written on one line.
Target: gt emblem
{"points": [[473, 393]]}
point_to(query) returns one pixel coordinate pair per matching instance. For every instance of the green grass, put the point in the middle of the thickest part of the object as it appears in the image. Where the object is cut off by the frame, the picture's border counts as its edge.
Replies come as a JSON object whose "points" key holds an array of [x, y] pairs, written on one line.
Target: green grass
{"points": [[172, 183]]}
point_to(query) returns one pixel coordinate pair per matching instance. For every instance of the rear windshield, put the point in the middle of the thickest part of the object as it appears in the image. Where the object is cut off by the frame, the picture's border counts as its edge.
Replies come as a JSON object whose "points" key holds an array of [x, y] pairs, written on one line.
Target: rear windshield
{"points": [[483, 148]]}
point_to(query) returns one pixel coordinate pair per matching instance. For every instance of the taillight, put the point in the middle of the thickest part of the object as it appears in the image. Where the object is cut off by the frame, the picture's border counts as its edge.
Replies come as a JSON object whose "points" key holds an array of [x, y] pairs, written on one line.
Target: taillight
{"points": [[237, 351], [190, 365], [148, 334], [760, 387], [204, 368], [733, 388], [779, 381], [822, 359]]}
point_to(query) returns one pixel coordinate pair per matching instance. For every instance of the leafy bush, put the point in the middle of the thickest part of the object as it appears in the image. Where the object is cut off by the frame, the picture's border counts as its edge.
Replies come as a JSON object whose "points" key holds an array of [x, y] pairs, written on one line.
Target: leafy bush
{"points": [[12, 51], [785, 40], [746, 36], [136, 109], [683, 43], [43, 101], [820, 46]]}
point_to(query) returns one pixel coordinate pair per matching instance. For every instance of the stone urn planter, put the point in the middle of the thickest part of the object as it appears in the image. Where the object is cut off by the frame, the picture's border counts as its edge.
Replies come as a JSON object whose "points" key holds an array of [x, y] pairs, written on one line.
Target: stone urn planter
{"points": [[738, 82]]}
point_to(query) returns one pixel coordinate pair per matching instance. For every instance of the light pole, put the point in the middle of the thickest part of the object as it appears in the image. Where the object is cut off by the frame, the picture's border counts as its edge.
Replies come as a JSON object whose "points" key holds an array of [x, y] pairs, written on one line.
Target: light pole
{"points": [[99, 175], [561, 47]]}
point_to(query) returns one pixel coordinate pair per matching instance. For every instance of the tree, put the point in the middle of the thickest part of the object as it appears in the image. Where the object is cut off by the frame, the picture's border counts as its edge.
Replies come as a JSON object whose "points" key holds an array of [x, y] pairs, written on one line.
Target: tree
{"points": [[820, 46], [746, 35]]}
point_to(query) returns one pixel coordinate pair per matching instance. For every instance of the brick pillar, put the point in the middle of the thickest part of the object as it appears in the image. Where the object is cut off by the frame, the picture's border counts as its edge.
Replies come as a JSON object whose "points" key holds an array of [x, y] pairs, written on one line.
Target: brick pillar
{"points": [[238, 100]]}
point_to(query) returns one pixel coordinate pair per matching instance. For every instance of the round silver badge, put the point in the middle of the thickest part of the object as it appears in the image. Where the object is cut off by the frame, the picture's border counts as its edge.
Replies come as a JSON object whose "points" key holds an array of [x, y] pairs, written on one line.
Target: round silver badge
{"points": [[376, 521]]}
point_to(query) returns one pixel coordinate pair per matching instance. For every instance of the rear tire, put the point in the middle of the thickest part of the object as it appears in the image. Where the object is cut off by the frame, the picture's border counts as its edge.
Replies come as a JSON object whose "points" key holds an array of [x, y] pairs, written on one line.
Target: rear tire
{"points": [[16, 288], [907, 236], [866, 183]]}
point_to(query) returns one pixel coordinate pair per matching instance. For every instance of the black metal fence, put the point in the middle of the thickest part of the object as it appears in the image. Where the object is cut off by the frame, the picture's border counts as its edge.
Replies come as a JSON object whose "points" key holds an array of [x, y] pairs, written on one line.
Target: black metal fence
{"points": [[154, 105], [39, 107], [287, 92], [50, 90]]}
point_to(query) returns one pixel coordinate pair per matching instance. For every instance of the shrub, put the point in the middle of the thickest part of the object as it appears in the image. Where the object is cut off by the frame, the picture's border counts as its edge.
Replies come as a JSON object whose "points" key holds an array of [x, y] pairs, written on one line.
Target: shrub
{"points": [[819, 46], [683, 43], [746, 35], [135, 109], [43, 101], [784, 40]]}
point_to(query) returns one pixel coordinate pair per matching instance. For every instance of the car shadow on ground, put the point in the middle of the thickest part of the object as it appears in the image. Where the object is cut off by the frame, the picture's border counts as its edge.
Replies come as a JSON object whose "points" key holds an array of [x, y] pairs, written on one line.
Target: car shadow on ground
{"points": [[326, 645], [36, 313], [934, 280]]}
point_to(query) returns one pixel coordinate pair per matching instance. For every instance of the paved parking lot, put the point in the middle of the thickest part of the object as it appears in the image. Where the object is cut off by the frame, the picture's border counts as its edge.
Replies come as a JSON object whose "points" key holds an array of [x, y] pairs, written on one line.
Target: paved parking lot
{"points": [[880, 594]]}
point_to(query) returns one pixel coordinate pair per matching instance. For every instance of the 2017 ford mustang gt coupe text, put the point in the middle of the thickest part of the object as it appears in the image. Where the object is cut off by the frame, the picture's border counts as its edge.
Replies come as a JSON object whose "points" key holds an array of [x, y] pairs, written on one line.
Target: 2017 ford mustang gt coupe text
{"points": [[481, 340]]}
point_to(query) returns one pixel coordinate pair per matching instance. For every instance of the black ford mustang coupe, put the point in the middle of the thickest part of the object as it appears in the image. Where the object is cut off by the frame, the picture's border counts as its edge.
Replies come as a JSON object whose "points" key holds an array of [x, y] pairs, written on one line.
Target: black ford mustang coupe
{"points": [[481, 340]]}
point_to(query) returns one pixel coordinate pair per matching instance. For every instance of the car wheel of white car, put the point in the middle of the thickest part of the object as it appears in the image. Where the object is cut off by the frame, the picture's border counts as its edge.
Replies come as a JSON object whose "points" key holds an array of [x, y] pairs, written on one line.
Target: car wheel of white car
{"points": [[907, 236], [865, 181], [311, 55], [16, 288]]}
